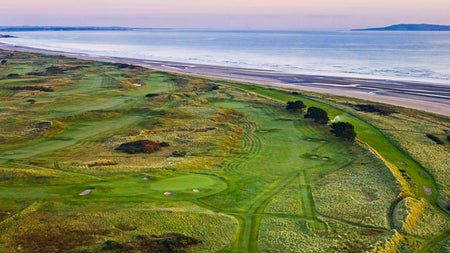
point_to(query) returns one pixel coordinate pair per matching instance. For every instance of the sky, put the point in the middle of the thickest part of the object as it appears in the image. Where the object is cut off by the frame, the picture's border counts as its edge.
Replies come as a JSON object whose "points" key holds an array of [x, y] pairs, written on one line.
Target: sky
{"points": [[226, 14]]}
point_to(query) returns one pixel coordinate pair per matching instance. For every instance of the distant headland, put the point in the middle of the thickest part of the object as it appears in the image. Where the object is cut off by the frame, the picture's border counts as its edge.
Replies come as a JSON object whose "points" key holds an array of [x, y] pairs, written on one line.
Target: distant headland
{"points": [[6, 36], [60, 28], [408, 27]]}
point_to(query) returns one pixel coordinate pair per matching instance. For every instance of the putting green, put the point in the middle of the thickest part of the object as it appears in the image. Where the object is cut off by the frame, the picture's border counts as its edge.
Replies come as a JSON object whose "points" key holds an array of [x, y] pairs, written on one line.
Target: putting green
{"points": [[189, 182]]}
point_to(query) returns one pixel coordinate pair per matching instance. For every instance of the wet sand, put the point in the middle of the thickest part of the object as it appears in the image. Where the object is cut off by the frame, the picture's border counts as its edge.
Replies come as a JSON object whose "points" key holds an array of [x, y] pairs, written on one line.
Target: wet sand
{"points": [[430, 97]]}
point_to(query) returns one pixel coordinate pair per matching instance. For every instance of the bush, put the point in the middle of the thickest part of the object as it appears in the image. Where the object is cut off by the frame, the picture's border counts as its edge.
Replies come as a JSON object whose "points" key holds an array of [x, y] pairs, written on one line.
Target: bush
{"points": [[435, 139], [178, 153], [13, 75], [112, 245], [380, 109], [142, 146], [164, 144], [320, 116], [125, 66], [150, 95], [295, 106], [166, 243], [53, 70], [32, 88], [344, 130]]}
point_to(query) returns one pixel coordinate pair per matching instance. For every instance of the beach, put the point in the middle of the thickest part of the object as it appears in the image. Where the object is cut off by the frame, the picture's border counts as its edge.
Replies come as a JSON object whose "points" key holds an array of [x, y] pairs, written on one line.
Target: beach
{"points": [[429, 97]]}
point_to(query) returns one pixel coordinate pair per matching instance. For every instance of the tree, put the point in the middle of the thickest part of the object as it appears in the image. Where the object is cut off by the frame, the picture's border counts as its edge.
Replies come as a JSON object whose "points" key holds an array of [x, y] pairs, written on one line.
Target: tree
{"points": [[4, 62], [320, 116], [295, 106], [344, 130]]}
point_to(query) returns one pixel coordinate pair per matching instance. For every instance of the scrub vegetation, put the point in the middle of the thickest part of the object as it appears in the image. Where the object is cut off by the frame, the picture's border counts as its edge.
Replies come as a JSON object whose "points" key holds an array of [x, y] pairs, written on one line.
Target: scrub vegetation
{"points": [[101, 157]]}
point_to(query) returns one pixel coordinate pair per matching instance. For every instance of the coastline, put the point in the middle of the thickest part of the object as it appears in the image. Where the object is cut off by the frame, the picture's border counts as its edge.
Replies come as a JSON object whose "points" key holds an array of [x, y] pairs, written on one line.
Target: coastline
{"points": [[429, 97]]}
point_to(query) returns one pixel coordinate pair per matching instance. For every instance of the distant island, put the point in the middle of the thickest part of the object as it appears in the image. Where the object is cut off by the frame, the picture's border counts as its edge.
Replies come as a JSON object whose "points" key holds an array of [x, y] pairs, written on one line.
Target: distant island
{"points": [[409, 27], [60, 28]]}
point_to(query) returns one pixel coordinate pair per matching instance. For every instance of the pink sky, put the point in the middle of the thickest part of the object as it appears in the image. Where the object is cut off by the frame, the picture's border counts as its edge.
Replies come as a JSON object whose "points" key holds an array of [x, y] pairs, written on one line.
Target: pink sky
{"points": [[240, 14]]}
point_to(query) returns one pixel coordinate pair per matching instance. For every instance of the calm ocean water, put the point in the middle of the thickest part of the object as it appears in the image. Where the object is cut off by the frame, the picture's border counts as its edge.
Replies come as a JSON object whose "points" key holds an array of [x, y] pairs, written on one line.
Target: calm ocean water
{"points": [[417, 56]]}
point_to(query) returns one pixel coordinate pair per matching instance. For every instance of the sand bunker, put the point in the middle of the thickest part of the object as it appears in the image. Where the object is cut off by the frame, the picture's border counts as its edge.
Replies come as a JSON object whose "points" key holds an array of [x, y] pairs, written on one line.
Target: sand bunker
{"points": [[428, 191], [86, 192]]}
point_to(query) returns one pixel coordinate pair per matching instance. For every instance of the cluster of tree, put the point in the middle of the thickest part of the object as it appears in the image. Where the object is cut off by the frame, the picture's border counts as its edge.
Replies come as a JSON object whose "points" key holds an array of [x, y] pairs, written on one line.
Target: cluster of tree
{"points": [[344, 130]]}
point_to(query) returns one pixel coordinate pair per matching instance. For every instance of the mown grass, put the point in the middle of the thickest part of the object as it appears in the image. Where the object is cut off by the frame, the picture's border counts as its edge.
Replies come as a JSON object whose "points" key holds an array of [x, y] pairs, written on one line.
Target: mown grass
{"points": [[265, 179], [368, 134]]}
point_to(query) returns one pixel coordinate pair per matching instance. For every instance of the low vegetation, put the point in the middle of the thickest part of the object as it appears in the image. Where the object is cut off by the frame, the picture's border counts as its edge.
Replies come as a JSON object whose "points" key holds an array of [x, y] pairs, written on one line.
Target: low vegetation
{"points": [[142, 146], [166, 243], [380, 109], [435, 139], [88, 167]]}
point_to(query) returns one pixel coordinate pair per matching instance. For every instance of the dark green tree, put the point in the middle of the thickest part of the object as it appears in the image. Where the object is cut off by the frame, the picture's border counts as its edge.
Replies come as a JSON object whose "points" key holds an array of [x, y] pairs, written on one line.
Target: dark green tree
{"points": [[320, 116], [344, 130], [295, 106]]}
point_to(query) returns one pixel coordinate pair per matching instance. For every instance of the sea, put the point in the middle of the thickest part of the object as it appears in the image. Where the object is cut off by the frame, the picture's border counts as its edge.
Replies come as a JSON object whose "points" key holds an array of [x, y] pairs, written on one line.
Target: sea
{"points": [[397, 55]]}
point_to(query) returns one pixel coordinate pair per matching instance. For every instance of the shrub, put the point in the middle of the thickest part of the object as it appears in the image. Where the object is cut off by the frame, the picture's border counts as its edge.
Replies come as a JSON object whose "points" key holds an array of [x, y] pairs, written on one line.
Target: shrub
{"points": [[344, 130], [320, 116], [32, 88], [164, 144], [295, 106], [142, 146], [435, 139], [171, 242], [13, 75], [112, 245], [4, 62], [178, 153], [150, 95], [125, 66], [380, 109], [53, 70]]}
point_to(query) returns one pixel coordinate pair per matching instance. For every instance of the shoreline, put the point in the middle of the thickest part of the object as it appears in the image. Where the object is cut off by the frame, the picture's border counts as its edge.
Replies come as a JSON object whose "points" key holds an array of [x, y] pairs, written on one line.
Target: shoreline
{"points": [[429, 97]]}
